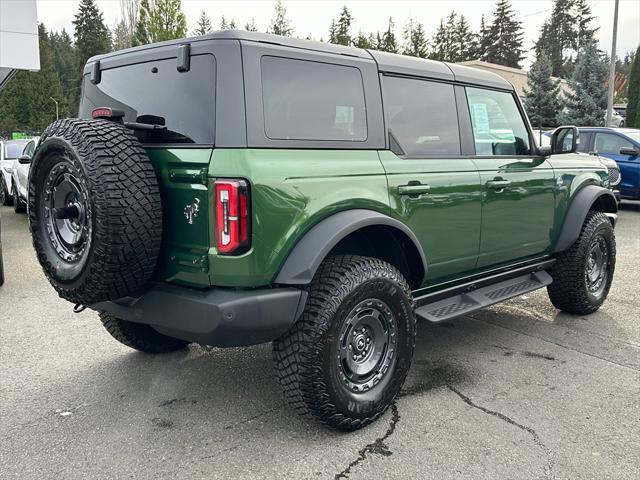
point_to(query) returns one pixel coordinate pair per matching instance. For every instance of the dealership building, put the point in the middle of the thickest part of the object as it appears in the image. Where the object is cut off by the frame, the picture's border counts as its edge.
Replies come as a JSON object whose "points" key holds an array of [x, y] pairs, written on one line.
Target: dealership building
{"points": [[18, 38]]}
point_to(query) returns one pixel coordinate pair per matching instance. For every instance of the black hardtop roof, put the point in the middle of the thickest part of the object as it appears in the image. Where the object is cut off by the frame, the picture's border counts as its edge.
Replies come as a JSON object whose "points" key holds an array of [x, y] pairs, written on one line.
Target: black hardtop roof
{"points": [[387, 62]]}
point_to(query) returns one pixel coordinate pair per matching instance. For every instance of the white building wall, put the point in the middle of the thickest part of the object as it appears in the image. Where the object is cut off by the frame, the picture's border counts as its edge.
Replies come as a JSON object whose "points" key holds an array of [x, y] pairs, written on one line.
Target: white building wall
{"points": [[18, 36]]}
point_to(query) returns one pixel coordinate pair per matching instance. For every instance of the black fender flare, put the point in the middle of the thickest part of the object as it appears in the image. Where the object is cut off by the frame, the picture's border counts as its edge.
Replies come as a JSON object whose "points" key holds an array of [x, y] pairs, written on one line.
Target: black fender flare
{"points": [[305, 258], [577, 212]]}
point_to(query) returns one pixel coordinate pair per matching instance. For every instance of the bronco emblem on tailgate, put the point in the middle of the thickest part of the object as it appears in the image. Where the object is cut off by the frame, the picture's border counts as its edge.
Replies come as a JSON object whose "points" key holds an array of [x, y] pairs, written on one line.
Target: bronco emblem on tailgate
{"points": [[191, 211]]}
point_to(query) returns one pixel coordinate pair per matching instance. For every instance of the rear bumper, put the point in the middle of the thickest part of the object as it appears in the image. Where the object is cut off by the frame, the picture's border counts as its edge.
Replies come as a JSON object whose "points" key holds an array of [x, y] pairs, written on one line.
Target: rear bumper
{"points": [[217, 317]]}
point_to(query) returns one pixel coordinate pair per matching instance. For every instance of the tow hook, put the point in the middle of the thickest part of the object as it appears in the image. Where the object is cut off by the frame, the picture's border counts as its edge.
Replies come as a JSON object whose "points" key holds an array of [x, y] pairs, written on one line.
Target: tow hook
{"points": [[78, 308]]}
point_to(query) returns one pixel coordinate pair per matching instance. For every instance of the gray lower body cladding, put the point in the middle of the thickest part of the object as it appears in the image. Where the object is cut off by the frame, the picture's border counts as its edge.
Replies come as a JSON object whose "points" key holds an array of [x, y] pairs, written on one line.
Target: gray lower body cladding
{"points": [[217, 317]]}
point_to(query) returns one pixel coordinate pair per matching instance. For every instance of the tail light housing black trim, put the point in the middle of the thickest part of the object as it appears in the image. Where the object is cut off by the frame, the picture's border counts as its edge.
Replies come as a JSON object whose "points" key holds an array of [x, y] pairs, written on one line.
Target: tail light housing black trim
{"points": [[232, 217]]}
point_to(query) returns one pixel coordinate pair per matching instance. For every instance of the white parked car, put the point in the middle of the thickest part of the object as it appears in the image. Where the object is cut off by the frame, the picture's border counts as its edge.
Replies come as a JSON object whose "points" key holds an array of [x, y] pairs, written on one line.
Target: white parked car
{"points": [[20, 176], [10, 150]]}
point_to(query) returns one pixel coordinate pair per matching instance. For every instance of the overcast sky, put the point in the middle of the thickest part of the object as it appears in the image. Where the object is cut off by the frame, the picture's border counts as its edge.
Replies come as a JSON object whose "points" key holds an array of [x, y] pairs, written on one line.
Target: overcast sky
{"points": [[314, 17]]}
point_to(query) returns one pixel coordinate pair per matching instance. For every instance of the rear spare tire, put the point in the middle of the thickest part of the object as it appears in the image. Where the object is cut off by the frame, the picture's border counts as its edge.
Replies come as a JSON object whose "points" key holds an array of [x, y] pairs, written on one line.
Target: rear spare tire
{"points": [[94, 210]]}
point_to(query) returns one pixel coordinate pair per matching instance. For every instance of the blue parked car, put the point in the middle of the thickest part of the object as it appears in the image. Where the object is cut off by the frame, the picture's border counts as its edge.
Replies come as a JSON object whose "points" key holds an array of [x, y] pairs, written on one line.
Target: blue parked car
{"points": [[621, 145]]}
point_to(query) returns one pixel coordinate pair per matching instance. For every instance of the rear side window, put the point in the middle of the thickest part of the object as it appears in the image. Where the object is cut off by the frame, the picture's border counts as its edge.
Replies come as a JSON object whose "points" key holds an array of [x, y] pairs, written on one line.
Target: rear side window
{"points": [[184, 101], [305, 100], [498, 127], [422, 116]]}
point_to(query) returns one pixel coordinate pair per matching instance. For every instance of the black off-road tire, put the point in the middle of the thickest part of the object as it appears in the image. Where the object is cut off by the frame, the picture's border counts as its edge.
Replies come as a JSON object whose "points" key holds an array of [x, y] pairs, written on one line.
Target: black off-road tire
{"points": [[18, 205], [307, 356], [139, 336], [5, 196], [115, 186], [569, 291]]}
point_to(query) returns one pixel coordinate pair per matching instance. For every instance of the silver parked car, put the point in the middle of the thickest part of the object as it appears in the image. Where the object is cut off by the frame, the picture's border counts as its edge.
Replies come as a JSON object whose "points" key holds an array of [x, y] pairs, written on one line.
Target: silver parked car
{"points": [[10, 150], [20, 176]]}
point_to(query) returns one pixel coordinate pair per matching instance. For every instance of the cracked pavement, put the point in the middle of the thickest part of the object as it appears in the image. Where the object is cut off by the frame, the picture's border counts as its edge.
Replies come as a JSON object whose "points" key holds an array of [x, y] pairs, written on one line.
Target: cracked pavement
{"points": [[518, 391]]}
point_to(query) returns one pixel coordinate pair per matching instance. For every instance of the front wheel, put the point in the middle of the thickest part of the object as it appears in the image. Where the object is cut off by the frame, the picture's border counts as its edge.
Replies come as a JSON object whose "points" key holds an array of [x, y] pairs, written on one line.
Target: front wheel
{"points": [[347, 357], [583, 274]]}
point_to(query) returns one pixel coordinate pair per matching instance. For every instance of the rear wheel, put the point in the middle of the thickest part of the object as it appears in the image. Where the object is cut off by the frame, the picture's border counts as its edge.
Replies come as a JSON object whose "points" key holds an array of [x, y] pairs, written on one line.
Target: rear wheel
{"points": [[18, 205], [139, 336], [583, 274], [5, 197], [347, 357]]}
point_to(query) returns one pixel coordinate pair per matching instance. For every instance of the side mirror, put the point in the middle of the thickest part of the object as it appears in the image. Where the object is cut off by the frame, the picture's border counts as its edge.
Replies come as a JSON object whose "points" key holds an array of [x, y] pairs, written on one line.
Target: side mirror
{"points": [[24, 159], [632, 152], [564, 140]]}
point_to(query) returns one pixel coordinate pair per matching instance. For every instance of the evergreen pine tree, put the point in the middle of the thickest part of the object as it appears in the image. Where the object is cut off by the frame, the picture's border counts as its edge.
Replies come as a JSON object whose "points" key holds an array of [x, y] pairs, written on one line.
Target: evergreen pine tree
{"points": [[439, 43], [587, 102], [204, 25], [365, 41], [65, 63], [280, 25], [120, 35], [483, 40], [141, 32], [464, 40], [339, 32], [233, 25], [504, 38], [415, 39], [561, 35], [450, 46], [542, 101], [251, 26], [223, 24], [166, 20], [632, 118], [26, 102], [544, 44], [585, 34], [92, 38], [388, 42], [91, 34]]}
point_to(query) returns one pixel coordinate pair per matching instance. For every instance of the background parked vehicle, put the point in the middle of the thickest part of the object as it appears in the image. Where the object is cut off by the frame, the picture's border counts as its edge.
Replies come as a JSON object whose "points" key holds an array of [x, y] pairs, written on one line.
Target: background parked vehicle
{"points": [[544, 139], [621, 145], [20, 176], [10, 150]]}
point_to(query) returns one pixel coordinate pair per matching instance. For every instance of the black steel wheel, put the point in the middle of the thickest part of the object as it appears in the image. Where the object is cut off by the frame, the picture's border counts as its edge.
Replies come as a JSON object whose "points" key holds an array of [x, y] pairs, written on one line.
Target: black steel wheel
{"points": [[345, 360], [582, 275], [94, 210]]}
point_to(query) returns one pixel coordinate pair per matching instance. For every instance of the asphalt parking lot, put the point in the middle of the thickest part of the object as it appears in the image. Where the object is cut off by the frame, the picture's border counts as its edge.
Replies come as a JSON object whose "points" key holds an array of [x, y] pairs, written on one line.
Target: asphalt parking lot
{"points": [[517, 391]]}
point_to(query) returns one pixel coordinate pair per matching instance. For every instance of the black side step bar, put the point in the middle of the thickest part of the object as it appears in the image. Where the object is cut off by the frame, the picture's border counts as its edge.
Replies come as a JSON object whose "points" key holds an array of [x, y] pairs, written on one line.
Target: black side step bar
{"points": [[462, 303]]}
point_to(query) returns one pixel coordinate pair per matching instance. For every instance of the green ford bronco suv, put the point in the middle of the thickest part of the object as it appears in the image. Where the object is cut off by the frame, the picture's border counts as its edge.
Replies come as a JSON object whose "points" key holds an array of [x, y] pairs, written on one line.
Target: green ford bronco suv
{"points": [[241, 188]]}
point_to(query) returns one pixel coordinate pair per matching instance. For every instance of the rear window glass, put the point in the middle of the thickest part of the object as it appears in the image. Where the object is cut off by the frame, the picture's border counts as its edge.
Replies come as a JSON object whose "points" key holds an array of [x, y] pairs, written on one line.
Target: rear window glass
{"points": [[305, 100], [184, 101], [422, 116]]}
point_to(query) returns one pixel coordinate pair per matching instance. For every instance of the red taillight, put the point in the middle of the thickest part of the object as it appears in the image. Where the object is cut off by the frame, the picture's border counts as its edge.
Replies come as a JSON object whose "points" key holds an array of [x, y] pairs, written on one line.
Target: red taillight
{"points": [[231, 200], [101, 113]]}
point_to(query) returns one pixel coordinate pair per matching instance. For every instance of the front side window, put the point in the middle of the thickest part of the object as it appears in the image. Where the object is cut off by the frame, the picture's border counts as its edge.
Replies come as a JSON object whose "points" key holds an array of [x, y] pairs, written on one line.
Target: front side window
{"points": [[304, 100], [498, 127], [611, 144], [29, 149], [422, 116]]}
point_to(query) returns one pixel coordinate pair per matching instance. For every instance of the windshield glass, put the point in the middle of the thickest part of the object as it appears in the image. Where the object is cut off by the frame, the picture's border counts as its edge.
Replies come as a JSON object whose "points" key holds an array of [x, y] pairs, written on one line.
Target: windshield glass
{"points": [[13, 150]]}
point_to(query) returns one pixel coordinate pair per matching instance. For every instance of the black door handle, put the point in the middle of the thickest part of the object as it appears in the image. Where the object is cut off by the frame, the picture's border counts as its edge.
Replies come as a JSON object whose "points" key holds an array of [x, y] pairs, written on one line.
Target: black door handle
{"points": [[413, 189], [498, 183]]}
